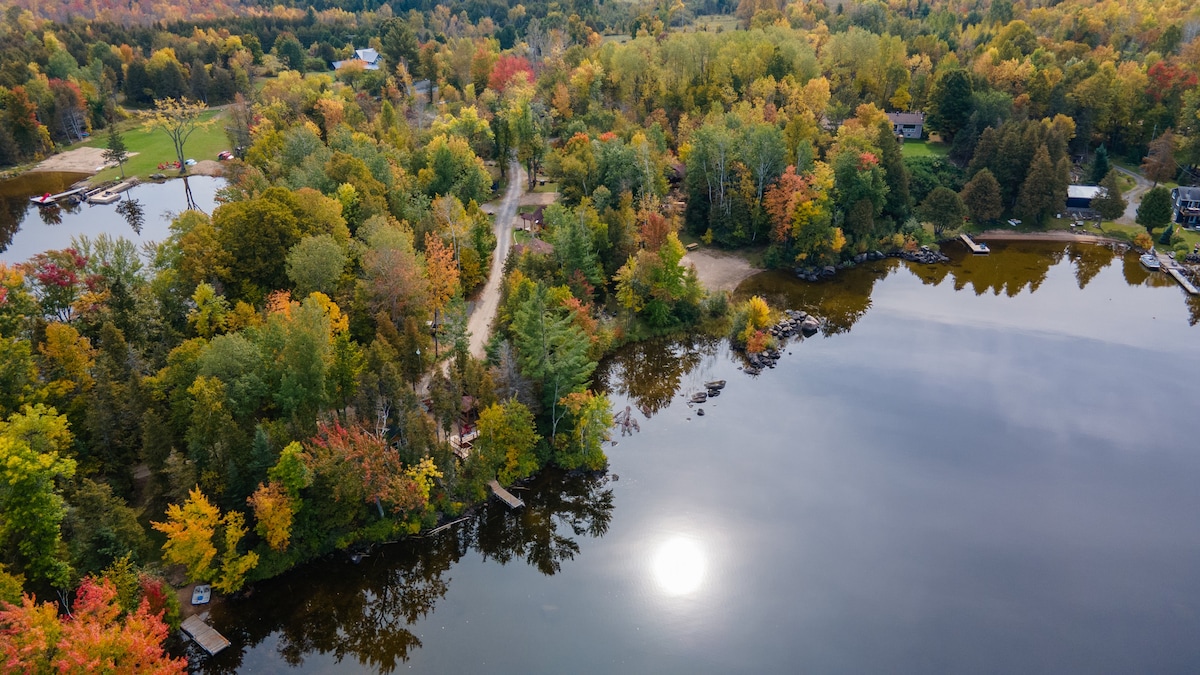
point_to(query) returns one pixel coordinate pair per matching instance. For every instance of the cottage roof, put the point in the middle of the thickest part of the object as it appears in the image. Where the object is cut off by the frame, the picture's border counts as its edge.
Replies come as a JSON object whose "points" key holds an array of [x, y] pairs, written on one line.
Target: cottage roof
{"points": [[1191, 194], [369, 55], [906, 117], [1084, 191]]}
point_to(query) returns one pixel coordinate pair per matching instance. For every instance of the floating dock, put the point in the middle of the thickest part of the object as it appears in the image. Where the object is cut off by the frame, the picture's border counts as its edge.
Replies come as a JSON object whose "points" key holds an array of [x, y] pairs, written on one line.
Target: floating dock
{"points": [[977, 249], [50, 200], [205, 635], [111, 194], [505, 496]]}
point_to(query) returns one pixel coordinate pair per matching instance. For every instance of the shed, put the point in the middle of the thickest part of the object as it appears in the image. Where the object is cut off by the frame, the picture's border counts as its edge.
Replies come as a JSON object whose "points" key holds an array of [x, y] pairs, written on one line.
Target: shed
{"points": [[1081, 196]]}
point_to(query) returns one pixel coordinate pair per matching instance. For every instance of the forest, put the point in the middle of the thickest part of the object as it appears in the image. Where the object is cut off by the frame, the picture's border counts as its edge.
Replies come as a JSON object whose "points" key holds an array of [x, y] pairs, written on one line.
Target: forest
{"points": [[281, 378]]}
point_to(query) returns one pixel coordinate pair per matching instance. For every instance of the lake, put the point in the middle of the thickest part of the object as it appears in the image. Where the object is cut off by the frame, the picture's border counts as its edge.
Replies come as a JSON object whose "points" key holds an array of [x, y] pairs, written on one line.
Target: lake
{"points": [[27, 229], [982, 466]]}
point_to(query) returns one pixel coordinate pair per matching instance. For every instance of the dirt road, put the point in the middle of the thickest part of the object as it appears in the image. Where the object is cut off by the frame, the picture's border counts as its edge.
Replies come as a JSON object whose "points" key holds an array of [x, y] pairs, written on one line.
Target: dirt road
{"points": [[1134, 197], [480, 321]]}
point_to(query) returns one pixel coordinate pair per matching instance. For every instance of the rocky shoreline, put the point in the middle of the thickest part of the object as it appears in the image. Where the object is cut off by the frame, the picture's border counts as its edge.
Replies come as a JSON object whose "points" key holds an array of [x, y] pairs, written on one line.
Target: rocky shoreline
{"points": [[923, 255]]}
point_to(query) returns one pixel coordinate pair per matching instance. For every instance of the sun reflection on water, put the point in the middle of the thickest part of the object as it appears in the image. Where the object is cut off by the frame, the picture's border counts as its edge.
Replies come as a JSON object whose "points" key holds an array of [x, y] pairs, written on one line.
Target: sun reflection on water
{"points": [[679, 566]]}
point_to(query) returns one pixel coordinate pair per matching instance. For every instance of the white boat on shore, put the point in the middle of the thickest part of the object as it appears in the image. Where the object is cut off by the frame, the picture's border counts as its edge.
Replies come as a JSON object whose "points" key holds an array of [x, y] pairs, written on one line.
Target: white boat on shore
{"points": [[1150, 260]]}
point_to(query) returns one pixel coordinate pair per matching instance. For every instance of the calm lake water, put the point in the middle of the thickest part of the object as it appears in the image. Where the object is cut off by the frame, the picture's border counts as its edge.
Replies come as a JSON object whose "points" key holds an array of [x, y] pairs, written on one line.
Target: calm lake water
{"points": [[27, 229], [987, 466]]}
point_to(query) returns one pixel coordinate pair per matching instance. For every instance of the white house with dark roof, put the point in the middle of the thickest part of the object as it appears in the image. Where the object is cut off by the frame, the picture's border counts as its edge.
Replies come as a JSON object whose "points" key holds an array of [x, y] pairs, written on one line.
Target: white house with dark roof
{"points": [[907, 124], [370, 59], [1185, 203]]}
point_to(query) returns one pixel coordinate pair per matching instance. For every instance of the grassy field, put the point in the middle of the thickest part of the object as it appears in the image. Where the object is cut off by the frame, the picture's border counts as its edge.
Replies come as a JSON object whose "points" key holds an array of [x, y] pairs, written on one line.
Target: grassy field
{"points": [[156, 148], [714, 23], [924, 149]]}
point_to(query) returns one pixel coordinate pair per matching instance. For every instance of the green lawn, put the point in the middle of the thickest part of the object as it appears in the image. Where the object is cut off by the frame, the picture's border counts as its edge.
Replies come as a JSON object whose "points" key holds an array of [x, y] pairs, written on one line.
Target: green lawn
{"points": [[924, 149], [156, 148]]}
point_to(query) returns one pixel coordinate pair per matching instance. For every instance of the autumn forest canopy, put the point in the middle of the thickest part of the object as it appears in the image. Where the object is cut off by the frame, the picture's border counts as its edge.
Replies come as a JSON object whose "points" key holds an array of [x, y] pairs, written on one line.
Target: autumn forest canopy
{"points": [[283, 377]]}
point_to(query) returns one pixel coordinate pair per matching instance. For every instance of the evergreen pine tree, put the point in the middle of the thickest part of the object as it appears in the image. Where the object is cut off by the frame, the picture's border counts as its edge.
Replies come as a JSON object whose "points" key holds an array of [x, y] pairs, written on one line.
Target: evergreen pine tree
{"points": [[1111, 205], [981, 196], [1100, 165], [1036, 201], [115, 150]]}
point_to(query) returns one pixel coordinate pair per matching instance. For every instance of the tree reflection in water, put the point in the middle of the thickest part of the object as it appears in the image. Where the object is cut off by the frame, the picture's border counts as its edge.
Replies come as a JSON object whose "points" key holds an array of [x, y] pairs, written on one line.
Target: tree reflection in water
{"points": [[364, 611], [133, 213], [650, 372], [1014, 267]]}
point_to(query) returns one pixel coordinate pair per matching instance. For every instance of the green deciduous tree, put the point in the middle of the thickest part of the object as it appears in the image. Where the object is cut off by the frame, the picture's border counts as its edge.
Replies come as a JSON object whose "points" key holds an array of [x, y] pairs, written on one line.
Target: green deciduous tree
{"points": [[950, 102], [944, 209], [316, 264], [33, 457], [1155, 209], [506, 440]]}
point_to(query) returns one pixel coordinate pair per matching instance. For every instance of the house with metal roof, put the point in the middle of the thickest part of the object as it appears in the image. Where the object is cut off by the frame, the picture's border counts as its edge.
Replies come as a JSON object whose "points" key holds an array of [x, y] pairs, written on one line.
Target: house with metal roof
{"points": [[370, 59], [1081, 196]]}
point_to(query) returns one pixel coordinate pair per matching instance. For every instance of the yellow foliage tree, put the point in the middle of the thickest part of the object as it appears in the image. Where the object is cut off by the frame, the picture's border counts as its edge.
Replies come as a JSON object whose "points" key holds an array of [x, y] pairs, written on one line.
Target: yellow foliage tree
{"points": [[189, 529], [178, 119], [273, 513]]}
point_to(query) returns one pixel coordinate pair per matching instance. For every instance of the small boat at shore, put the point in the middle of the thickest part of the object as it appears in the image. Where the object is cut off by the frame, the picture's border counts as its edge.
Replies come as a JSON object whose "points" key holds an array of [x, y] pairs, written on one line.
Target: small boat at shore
{"points": [[1150, 260], [201, 594]]}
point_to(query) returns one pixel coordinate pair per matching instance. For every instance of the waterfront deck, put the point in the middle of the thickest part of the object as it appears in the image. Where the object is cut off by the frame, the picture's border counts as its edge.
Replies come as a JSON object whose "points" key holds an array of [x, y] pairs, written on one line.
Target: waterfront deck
{"points": [[462, 445], [977, 249], [1172, 267], [205, 635], [505, 496]]}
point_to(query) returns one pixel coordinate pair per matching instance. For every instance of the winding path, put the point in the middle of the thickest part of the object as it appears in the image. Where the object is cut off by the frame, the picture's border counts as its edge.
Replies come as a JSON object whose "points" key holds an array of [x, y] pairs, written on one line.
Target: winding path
{"points": [[1133, 198], [480, 321]]}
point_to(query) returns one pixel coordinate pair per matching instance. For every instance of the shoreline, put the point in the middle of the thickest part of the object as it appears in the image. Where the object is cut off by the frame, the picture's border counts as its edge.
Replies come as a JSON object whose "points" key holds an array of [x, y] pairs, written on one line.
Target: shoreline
{"points": [[1057, 235]]}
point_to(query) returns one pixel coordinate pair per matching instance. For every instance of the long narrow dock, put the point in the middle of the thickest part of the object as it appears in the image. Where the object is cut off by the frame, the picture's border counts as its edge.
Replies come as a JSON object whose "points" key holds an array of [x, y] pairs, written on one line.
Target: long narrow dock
{"points": [[505, 496], [977, 249], [205, 635], [51, 199], [1171, 266]]}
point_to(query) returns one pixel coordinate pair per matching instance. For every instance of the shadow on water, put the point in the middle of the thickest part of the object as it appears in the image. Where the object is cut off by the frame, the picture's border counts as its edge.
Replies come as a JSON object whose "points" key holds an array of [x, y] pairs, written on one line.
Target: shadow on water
{"points": [[365, 611], [1013, 268]]}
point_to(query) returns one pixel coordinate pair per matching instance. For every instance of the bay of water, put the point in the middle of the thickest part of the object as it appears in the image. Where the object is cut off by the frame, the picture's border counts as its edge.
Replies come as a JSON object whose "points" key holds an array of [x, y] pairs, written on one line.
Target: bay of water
{"points": [[987, 466], [27, 229]]}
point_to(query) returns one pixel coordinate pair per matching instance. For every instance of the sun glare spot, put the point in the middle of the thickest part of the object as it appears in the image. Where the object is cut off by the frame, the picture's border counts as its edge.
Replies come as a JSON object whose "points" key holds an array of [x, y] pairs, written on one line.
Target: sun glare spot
{"points": [[679, 566]]}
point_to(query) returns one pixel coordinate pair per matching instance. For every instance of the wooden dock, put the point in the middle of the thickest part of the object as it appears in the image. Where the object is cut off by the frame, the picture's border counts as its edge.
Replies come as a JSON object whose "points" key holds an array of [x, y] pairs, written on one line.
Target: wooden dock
{"points": [[505, 496], [205, 635], [53, 199], [977, 249], [1171, 266]]}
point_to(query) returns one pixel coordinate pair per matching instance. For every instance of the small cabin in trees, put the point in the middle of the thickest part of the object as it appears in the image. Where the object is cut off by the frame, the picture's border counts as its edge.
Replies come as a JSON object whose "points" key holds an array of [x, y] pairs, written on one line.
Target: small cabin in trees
{"points": [[532, 222], [907, 125]]}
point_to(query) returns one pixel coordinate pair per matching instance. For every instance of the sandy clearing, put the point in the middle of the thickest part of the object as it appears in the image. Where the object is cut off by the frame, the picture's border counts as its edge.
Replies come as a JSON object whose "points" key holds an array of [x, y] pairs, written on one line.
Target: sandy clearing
{"points": [[79, 160], [720, 271], [539, 198]]}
